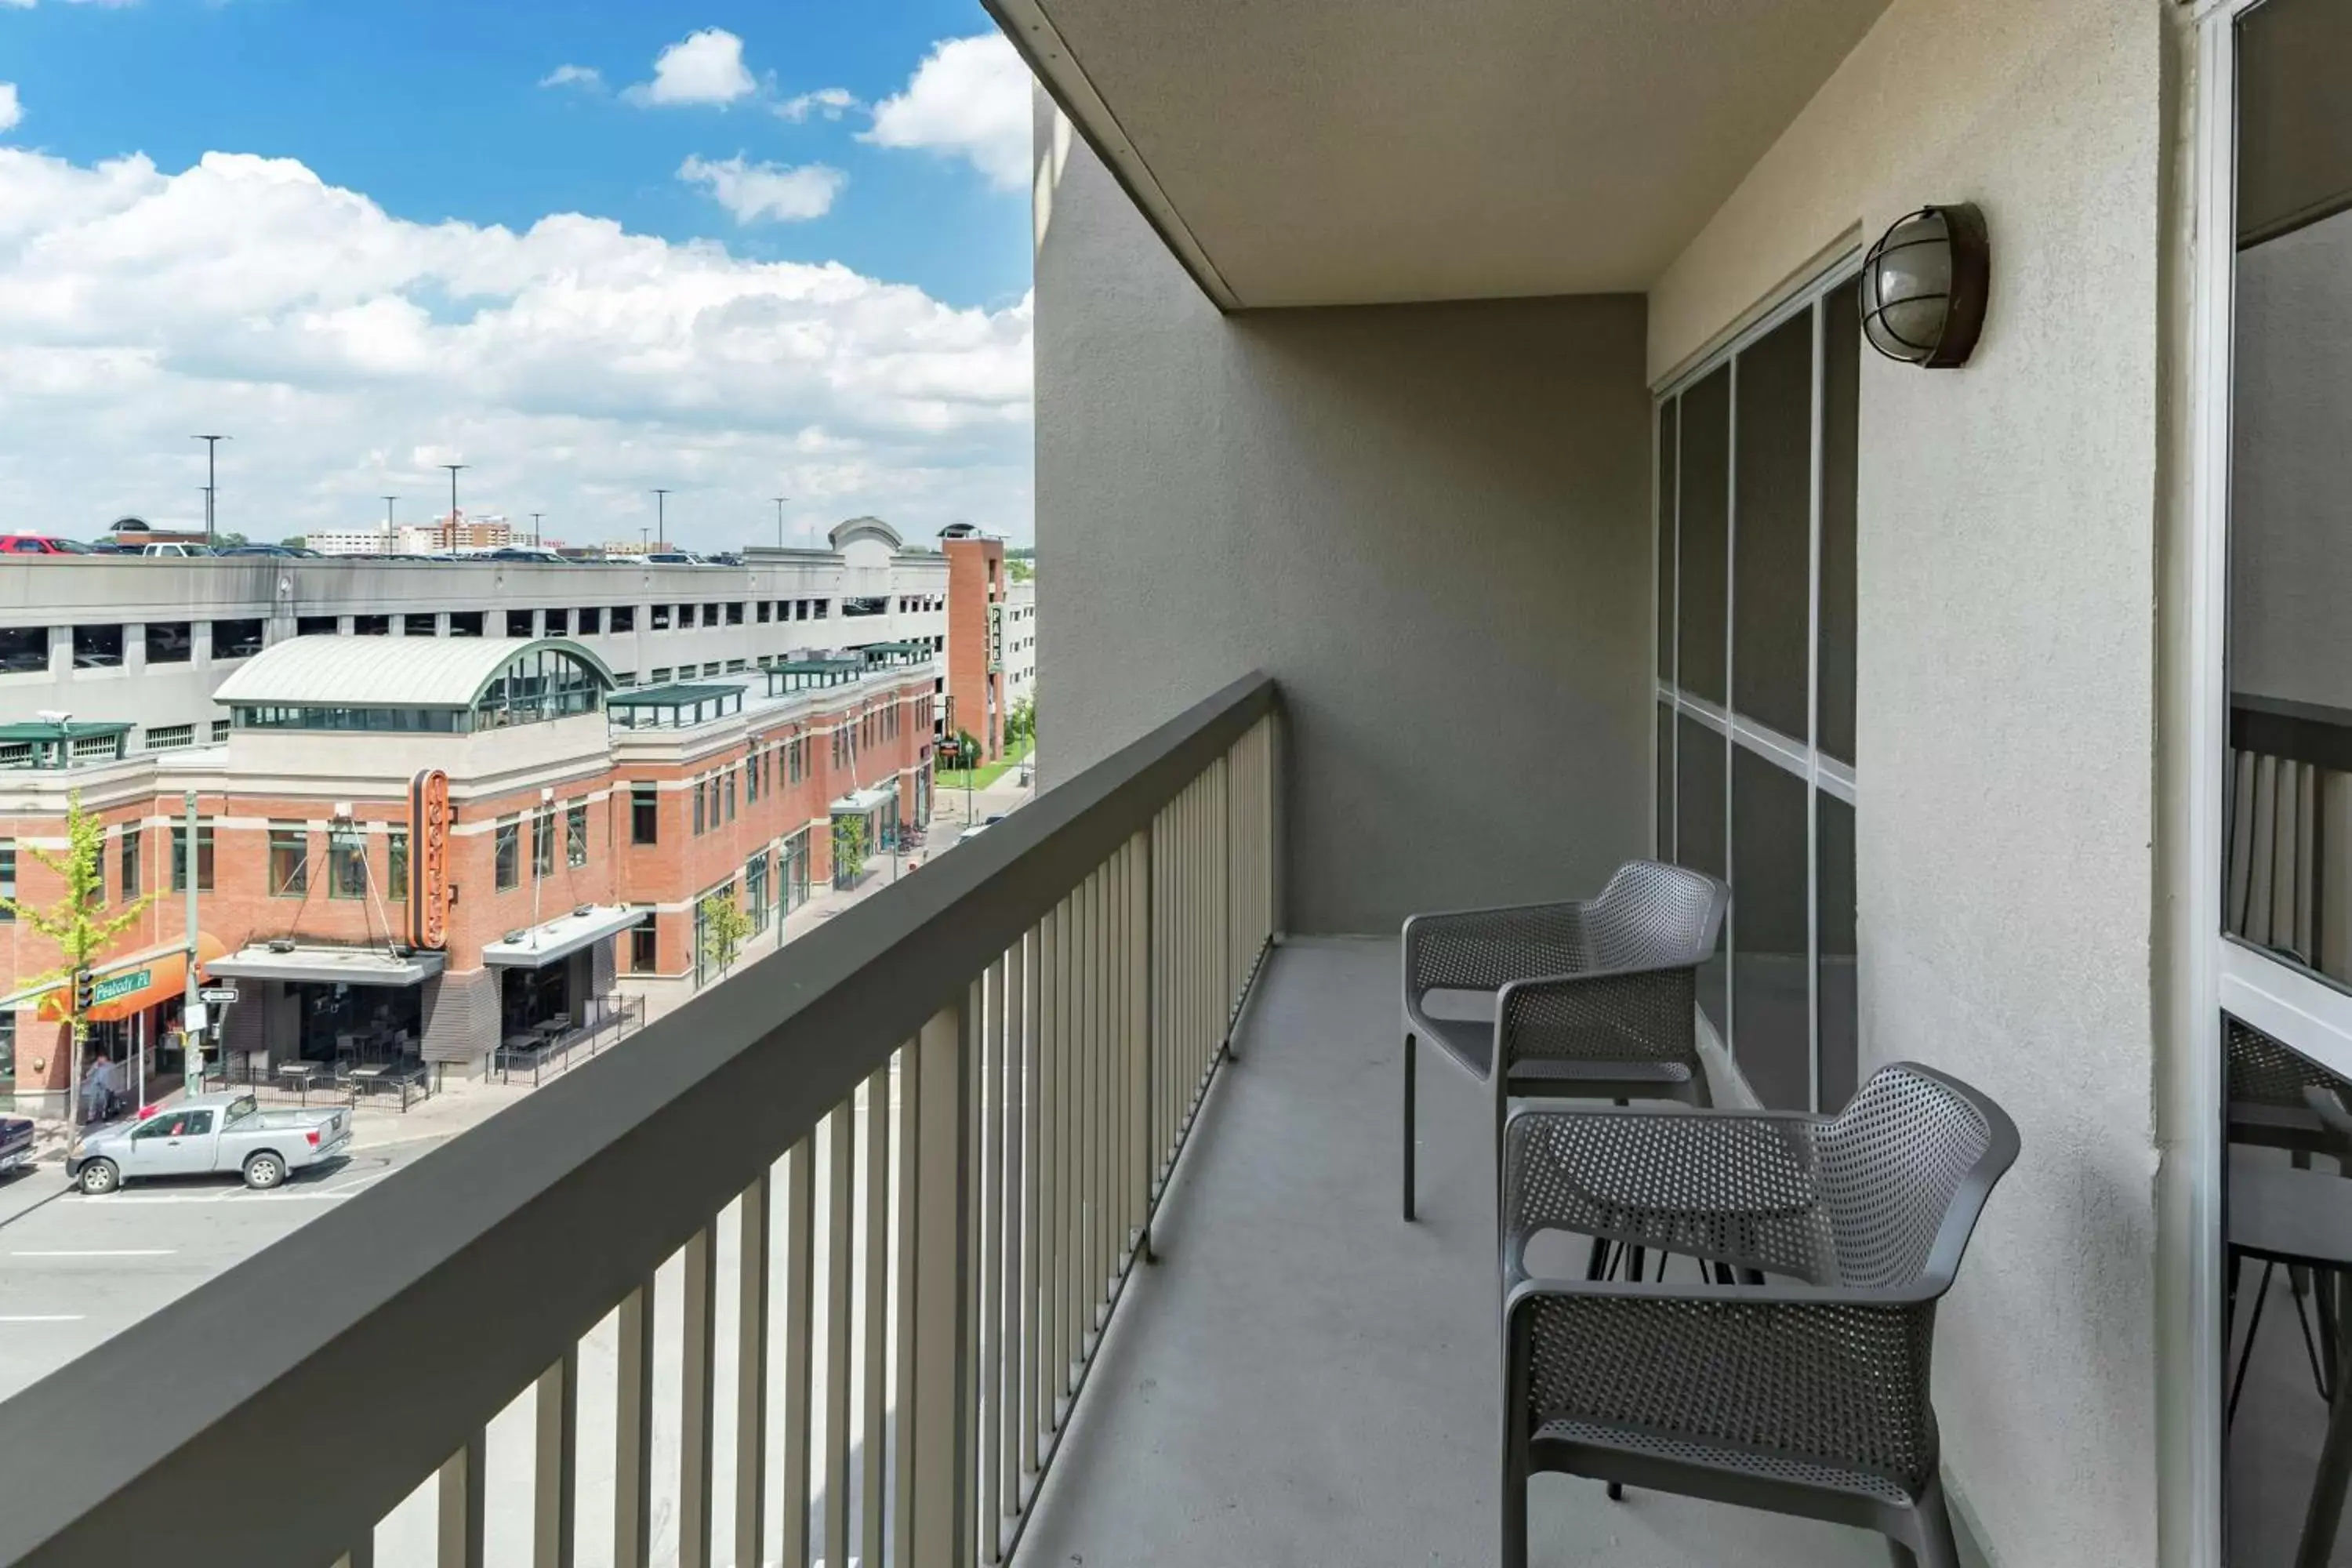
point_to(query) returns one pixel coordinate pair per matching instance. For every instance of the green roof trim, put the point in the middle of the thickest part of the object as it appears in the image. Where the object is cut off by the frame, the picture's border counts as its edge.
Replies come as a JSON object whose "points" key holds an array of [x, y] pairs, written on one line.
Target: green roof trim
{"points": [[668, 696], [19, 733]]}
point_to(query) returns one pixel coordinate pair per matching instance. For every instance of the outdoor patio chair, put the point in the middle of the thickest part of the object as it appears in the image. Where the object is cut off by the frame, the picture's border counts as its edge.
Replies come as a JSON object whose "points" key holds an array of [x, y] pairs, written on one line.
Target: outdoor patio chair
{"points": [[1807, 1395], [1606, 1006]]}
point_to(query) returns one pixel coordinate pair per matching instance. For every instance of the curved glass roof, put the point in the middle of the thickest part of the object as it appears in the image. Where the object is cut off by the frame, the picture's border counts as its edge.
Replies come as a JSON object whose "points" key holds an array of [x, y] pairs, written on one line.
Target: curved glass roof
{"points": [[405, 672]]}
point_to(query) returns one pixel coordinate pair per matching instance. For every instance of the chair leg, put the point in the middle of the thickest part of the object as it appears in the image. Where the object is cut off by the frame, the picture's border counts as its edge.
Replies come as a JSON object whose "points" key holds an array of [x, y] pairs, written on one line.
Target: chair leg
{"points": [[1513, 1526], [1935, 1547], [1408, 1126]]}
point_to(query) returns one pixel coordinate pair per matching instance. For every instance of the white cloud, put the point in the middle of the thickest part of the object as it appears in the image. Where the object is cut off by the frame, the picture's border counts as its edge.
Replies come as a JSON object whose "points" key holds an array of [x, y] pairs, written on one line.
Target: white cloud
{"points": [[574, 364], [756, 191], [12, 108], [826, 102], [968, 99], [701, 68], [587, 78]]}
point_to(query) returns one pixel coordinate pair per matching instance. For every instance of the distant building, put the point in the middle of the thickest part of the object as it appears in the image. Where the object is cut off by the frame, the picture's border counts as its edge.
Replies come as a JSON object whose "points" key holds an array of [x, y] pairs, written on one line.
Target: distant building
{"points": [[414, 538]]}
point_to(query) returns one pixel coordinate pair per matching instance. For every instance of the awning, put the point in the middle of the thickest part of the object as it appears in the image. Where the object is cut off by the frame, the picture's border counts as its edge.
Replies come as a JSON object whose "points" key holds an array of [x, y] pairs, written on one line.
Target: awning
{"points": [[865, 800], [131, 983], [563, 935], [327, 966]]}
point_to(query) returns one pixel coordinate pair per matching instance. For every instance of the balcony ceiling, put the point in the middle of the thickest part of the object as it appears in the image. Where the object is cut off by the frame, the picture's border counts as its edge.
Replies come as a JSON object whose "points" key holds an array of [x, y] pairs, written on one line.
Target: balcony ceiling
{"points": [[1344, 152]]}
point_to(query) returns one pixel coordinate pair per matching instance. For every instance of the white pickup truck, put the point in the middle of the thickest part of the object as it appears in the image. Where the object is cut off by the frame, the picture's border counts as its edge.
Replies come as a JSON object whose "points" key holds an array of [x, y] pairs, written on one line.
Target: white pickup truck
{"points": [[208, 1134]]}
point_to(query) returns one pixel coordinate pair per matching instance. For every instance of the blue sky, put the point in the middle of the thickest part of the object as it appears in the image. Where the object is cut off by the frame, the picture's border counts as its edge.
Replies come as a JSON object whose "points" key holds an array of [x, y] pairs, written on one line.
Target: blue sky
{"points": [[182, 182]]}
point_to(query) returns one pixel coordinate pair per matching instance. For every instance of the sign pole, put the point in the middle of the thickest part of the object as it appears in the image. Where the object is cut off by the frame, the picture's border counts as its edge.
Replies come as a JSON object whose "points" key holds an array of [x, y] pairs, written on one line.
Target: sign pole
{"points": [[192, 1064]]}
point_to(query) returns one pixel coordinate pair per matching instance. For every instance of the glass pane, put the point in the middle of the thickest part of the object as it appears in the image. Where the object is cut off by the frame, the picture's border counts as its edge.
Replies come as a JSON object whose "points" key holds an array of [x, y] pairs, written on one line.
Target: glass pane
{"points": [[1841, 420], [2290, 636], [1771, 1000], [1840, 998], [1665, 818], [1698, 833], [1666, 542], [1705, 536], [1771, 588]]}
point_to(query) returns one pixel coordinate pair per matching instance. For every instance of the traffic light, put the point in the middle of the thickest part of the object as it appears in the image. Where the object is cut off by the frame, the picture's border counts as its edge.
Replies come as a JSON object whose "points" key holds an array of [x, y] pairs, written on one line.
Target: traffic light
{"points": [[85, 991]]}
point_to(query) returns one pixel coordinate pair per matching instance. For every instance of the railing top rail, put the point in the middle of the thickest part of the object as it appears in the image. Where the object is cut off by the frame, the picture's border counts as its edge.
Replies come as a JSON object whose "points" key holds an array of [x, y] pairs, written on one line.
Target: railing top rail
{"points": [[370, 1340]]}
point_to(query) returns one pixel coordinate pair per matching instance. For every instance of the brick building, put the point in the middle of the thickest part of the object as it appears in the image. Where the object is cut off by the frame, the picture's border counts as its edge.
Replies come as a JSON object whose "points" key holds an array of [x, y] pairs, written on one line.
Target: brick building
{"points": [[975, 677], [584, 826]]}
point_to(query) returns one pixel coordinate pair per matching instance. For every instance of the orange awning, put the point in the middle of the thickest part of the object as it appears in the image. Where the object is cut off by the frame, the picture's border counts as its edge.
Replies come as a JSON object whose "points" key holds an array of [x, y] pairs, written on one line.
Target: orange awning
{"points": [[136, 981]]}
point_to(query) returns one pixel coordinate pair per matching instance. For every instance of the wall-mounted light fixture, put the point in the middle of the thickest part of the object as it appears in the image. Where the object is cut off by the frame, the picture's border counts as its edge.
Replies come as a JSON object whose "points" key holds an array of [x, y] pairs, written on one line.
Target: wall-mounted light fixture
{"points": [[1924, 286]]}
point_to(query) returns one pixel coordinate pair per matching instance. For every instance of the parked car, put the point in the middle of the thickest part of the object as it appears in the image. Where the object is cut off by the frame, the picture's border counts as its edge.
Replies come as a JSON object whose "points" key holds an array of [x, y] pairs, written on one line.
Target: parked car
{"points": [[40, 544], [281, 550], [16, 1143], [673, 558], [530, 553], [173, 550], [209, 1134]]}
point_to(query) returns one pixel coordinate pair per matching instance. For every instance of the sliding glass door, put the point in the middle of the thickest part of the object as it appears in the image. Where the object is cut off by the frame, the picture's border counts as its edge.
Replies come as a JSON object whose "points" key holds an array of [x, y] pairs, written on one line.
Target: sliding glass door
{"points": [[1756, 682]]}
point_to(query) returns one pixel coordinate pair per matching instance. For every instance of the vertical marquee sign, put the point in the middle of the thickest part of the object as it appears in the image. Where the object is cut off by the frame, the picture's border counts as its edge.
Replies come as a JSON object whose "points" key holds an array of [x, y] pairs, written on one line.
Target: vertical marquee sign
{"points": [[428, 872]]}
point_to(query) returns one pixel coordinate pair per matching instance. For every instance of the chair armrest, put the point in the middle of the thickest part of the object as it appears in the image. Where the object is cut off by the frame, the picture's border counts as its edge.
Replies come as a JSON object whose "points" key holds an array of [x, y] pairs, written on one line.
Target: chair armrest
{"points": [[1484, 950], [1641, 1013], [1733, 1188], [1841, 1376]]}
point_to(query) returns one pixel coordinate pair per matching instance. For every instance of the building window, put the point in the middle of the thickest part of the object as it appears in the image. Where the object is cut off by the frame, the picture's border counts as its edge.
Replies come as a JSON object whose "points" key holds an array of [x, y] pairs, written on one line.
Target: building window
{"points": [[624, 617], [737, 666], [735, 614], [396, 865], [129, 857], [505, 855], [171, 642], [465, 623], [751, 777], [542, 846], [644, 814], [558, 622], [203, 858], [7, 885], [420, 625], [220, 731], [347, 866], [290, 861], [711, 614], [713, 668], [316, 626], [793, 873], [660, 676], [817, 609], [96, 648], [644, 942], [661, 617], [24, 649], [767, 610], [701, 825], [575, 837], [755, 891], [730, 794], [518, 623], [591, 621], [171, 737]]}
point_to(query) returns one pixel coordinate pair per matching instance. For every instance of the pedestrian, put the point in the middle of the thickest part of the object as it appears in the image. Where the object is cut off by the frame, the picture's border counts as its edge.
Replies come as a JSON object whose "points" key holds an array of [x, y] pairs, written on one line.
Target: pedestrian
{"points": [[97, 1088]]}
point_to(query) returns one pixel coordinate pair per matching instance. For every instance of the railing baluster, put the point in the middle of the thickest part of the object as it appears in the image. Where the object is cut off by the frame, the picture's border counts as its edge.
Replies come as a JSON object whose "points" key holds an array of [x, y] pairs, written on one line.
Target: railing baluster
{"points": [[1066, 1343], [1049, 1184], [697, 1393], [841, 1144], [1033, 1171], [460, 1530], [1005, 1368], [555, 1470], [939, 1410], [873, 1437], [800, 1342], [988, 1238], [902, 1360], [753, 1220], [632, 1449]]}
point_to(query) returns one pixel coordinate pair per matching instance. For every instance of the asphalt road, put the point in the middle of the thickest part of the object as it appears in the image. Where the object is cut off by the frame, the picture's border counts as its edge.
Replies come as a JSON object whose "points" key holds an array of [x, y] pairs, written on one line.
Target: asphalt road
{"points": [[75, 1270]]}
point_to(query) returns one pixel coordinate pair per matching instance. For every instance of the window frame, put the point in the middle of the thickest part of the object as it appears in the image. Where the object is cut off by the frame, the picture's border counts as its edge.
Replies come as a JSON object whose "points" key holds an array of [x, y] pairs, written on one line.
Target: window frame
{"points": [[296, 881]]}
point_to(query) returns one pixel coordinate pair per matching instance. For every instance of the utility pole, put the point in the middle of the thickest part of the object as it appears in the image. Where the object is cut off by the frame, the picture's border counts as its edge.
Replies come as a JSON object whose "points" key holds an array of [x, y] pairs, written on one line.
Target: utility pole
{"points": [[661, 526], [645, 540], [780, 521], [387, 523], [454, 469], [212, 482], [193, 1049], [534, 526]]}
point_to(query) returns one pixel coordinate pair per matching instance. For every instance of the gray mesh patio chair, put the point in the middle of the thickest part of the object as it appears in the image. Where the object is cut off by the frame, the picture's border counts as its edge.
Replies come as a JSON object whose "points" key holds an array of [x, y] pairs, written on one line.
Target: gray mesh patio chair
{"points": [[1606, 1006], [1807, 1395]]}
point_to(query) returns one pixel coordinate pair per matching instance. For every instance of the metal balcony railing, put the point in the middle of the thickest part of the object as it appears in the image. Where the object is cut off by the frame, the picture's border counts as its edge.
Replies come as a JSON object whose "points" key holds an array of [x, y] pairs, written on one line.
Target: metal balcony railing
{"points": [[1012, 1045]]}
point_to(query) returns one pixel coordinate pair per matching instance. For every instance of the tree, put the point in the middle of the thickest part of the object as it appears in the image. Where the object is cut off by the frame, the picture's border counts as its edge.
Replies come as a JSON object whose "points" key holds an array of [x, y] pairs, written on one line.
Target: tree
{"points": [[228, 541], [849, 849], [79, 922], [724, 927], [1021, 721], [1021, 571], [296, 542], [967, 746]]}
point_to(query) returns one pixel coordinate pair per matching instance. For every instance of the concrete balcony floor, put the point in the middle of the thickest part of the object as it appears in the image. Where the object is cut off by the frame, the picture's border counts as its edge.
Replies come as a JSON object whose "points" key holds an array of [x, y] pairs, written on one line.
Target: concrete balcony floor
{"points": [[1304, 1379]]}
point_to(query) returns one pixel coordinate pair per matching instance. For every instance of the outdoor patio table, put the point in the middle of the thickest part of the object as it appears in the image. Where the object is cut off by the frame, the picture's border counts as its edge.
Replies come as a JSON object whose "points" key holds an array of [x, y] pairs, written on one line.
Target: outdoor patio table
{"points": [[299, 1076]]}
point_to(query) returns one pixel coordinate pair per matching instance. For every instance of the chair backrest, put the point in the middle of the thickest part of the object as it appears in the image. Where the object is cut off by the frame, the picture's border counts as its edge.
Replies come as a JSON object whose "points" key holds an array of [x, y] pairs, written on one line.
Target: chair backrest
{"points": [[1653, 913], [1904, 1171], [2264, 1072]]}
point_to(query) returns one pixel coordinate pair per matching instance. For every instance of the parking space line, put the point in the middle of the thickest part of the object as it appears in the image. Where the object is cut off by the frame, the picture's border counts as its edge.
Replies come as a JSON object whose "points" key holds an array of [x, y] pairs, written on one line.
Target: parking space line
{"points": [[98, 1252], [41, 1318]]}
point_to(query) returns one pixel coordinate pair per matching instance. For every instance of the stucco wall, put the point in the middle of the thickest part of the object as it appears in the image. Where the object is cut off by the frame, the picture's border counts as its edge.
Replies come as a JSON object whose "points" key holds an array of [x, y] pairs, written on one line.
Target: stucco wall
{"points": [[1429, 524], [2006, 719]]}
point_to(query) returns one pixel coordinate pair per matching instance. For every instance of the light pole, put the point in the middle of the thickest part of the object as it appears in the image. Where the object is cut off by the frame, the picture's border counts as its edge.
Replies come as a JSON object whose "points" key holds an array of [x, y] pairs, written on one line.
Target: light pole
{"points": [[645, 540], [455, 469], [534, 527], [211, 481], [387, 523], [661, 527], [780, 521]]}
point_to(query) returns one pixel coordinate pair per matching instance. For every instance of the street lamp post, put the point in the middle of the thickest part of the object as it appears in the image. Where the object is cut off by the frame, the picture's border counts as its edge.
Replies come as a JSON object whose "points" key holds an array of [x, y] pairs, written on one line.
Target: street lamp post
{"points": [[454, 469], [387, 523], [535, 533], [661, 524], [780, 521], [211, 481]]}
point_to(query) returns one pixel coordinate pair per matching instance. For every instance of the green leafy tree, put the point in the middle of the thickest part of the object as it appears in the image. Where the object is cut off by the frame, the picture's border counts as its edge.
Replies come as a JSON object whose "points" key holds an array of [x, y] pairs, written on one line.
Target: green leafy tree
{"points": [[1021, 721], [228, 541], [724, 927], [79, 923], [1021, 571], [296, 542], [849, 847]]}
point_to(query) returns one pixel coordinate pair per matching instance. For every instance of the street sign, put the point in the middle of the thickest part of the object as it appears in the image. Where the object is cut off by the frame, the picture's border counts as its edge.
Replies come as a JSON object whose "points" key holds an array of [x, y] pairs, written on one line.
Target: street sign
{"points": [[119, 985], [221, 993], [192, 1018]]}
